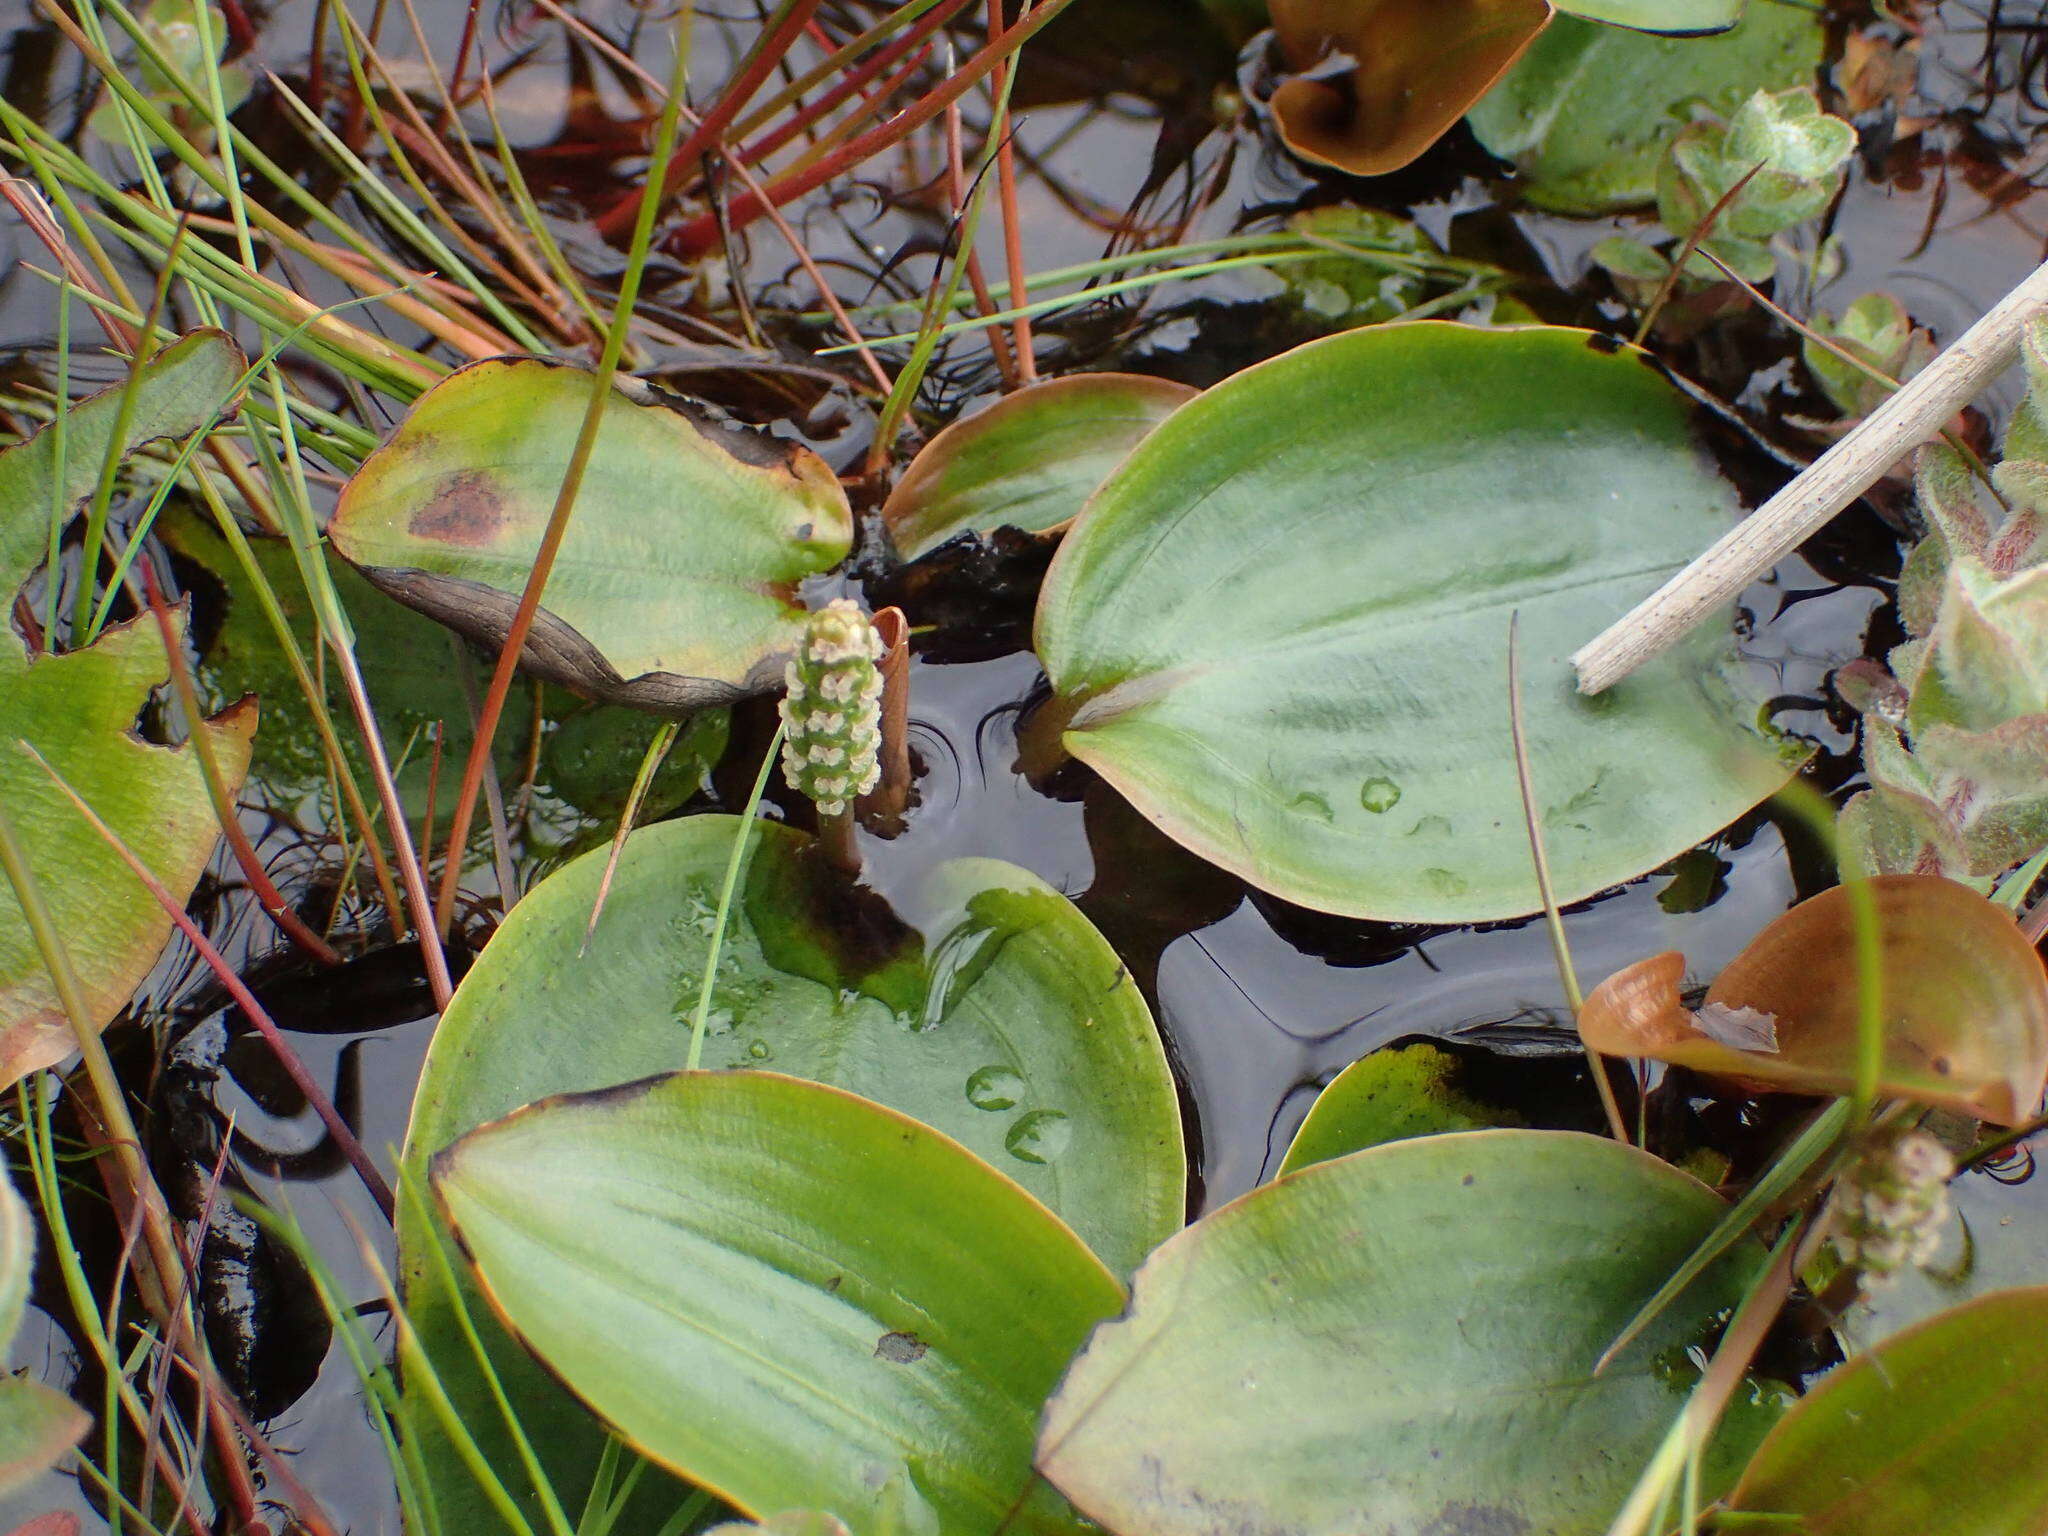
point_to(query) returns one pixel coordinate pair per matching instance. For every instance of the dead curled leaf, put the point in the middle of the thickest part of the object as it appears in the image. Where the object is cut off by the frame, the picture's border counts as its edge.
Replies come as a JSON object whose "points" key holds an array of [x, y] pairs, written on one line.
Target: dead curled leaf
{"points": [[1965, 1003], [1376, 82]]}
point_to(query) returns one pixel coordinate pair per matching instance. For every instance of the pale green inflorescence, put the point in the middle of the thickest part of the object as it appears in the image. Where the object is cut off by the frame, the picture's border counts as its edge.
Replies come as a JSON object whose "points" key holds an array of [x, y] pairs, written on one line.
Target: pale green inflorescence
{"points": [[833, 709], [1891, 1205]]}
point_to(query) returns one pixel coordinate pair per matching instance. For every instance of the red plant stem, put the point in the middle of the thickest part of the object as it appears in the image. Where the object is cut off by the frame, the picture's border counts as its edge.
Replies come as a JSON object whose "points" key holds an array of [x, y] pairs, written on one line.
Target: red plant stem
{"points": [[1013, 229], [267, 894], [244, 998], [703, 233], [618, 219], [854, 80], [241, 31], [956, 195], [462, 51], [810, 266]]}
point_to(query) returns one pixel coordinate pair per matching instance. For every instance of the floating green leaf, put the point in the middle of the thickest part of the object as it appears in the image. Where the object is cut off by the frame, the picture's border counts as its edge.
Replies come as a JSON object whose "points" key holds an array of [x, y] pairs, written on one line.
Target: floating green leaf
{"points": [[1586, 114], [1935, 1429], [37, 1424], [789, 1294], [1029, 461], [675, 584], [1000, 1016], [78, 709], [1281, 627], [1408, 1335]]}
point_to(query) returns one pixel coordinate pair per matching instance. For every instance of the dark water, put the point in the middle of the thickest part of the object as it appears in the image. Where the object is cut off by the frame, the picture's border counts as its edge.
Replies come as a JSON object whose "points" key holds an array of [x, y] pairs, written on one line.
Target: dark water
{"points": [[1260, 1002]]}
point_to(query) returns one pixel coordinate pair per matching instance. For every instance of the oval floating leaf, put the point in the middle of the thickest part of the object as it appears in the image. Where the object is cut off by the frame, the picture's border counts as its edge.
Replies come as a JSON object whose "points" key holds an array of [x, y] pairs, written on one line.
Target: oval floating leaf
{"points": [[1029, 461], [1586, 114], [1408, 1336], [1001, 1017], [1281, 628], [1376, 82], [78, 710], [789, 1294], [675, 583], [1965, 1003], [1936, 1429]]}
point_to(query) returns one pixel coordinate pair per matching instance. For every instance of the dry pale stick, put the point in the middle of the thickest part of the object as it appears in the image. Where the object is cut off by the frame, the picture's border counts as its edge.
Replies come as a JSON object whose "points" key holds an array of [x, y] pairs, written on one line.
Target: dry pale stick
{"points": [[1817, 493]]}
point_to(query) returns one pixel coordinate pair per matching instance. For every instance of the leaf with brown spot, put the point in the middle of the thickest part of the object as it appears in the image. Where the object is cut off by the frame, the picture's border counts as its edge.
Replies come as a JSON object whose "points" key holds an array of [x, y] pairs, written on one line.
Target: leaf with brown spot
{"points": [[1965, 1002], [675, 586]]}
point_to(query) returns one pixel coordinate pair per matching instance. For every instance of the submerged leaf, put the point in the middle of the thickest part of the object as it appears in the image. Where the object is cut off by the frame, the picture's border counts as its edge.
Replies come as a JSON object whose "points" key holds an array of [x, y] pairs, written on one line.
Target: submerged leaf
{"points": [[1587, 113], [675, 584], [1390, 1095], [1408, 1334], [1965, 1002], [1281, 627], [1935, 1429], [1029, 461], [791, 1295], [77, 710]]}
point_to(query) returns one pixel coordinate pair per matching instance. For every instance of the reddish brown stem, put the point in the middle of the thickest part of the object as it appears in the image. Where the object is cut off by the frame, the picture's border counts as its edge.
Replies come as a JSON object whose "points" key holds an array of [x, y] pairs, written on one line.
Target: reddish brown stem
{"points": [[956, 195], [853, 81], [1013, 227], [617, 220], [702, 233], [881, 810], [462, 52]]}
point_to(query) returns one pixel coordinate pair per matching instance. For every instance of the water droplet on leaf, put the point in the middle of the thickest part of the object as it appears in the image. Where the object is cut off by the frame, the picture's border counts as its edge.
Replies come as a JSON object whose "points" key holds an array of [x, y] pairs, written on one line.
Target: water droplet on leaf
{"points": [[994, 1087], [1380, 795], [1039, 1136]]}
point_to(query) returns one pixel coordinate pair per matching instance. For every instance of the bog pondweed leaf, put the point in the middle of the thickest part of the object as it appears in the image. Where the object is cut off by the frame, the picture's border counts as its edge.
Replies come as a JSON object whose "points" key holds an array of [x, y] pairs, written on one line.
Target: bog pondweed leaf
{"points": [[1281, 627], [675, 586], [982, 1003], [1409, 1335], [77, 709], [1029, 461], [1586, 115], [1965, 1004], [789, 1294]]}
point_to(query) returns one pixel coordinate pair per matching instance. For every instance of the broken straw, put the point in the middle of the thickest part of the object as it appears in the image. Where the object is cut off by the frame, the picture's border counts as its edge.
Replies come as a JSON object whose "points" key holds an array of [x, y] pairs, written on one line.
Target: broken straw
{"points": [[1919, 409]]}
